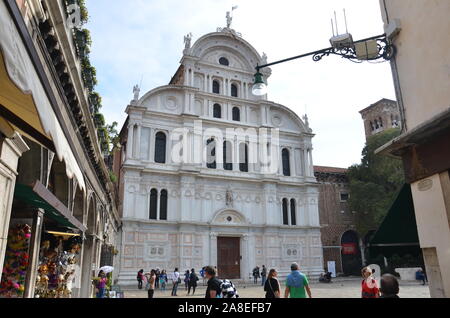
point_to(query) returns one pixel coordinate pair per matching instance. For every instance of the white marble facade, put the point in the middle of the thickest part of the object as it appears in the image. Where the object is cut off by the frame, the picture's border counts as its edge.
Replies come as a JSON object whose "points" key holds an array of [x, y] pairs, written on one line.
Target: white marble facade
{"points": [[205, 204]]}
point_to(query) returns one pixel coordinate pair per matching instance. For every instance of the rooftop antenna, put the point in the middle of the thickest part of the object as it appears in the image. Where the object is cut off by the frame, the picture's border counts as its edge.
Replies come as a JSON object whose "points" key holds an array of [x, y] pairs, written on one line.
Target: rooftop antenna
{"points": [[335, 19], [345, 18], [332, 26]]}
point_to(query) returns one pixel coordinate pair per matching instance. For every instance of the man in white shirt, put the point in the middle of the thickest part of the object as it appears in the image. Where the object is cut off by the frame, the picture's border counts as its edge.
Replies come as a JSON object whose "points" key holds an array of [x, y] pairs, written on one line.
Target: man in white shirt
{"points": [[176, 281]]}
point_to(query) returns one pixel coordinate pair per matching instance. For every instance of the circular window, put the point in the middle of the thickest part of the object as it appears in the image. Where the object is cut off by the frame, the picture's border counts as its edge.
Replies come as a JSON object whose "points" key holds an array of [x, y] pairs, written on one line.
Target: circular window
{"points": [[224, 61], [229, 219]]}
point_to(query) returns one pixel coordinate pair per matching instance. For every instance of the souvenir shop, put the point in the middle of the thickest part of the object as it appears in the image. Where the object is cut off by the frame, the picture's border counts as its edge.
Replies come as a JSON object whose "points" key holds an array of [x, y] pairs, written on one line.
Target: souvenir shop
{"points": [[42, 257]]}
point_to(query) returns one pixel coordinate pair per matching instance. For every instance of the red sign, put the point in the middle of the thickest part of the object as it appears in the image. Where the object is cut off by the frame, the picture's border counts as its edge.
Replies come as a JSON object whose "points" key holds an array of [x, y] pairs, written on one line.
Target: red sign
{"points": [[349, 249]]}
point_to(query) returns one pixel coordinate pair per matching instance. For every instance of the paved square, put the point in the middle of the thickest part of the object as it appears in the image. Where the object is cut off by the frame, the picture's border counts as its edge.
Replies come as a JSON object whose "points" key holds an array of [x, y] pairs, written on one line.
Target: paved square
{"points": [[340, 289]]}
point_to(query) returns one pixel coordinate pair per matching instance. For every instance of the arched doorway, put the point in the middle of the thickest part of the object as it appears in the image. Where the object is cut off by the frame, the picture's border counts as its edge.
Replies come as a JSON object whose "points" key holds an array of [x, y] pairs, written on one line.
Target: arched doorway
{"points": [[351, 253]]}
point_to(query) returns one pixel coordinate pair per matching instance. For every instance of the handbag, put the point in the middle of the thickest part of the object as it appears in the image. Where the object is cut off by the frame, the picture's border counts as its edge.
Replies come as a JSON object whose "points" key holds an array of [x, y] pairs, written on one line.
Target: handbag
{"points": [[270, 285]]}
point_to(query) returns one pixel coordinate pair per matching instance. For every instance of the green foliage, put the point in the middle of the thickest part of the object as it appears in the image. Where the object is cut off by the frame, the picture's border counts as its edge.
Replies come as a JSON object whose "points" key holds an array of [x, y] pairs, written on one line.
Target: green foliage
{"points": [[374, 183], [112, 177]]}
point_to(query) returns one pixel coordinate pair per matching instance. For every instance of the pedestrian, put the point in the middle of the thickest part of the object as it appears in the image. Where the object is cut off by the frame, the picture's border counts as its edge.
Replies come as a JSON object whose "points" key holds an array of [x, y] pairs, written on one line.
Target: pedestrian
{"points": [[213, 290], [255, 275], [193, 279], [297, 284], [175, 280], [163, 280], [157, 273], [420, 275], [369, 285], [186, 280], [263, 275], [272, 285], [140, 277], [101, 284], [389, 286], [202, 274], [151, 283]]}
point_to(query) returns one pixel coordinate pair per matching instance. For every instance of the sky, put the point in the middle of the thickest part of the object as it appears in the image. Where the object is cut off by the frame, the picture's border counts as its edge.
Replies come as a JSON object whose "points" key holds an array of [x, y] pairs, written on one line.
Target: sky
{"points": [[141, 41]]}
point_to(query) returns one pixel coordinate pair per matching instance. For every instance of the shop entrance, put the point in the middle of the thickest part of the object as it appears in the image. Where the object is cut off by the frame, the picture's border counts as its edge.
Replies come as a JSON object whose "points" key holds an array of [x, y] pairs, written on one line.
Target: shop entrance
{"points": [[229, 257]]}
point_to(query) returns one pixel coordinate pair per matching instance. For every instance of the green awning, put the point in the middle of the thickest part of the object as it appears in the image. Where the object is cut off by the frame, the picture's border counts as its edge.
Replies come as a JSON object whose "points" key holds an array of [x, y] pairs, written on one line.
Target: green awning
{"points": [[397, 233], [38, 196]]}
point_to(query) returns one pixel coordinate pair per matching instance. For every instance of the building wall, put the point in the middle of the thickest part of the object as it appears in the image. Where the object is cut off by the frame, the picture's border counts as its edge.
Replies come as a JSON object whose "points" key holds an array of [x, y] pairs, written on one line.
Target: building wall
{"points": [[381, 116], [421, 77], [422, 60], [205, 204], [336, 218]]}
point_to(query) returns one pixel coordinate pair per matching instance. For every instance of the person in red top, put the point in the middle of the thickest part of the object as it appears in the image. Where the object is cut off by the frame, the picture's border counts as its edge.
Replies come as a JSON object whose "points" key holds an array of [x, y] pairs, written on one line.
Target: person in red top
{"points": [[369, 284]]}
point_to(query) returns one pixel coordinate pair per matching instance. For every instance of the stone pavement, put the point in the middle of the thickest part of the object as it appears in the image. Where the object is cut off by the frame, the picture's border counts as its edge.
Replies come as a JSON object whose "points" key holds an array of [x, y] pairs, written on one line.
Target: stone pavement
{"points": [[348, 288]]}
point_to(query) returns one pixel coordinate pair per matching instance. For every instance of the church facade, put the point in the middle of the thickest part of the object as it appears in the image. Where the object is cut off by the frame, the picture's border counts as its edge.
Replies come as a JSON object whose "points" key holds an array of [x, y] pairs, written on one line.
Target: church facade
{"points": [[210, 174]]}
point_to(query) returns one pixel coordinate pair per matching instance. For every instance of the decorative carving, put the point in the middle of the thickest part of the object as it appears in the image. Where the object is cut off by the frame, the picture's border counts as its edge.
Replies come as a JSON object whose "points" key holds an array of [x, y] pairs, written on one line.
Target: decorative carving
{"points": [[136, 92], [187, 41]]}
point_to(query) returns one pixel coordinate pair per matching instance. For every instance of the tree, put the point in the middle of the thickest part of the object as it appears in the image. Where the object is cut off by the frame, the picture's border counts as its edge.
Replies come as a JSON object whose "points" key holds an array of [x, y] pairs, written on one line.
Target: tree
{"points": [[374, 183]]}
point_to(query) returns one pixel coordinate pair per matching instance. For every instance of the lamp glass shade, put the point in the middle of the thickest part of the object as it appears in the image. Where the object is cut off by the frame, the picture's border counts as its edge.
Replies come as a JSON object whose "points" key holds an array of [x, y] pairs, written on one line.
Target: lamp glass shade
{"points": [[259, 87]]}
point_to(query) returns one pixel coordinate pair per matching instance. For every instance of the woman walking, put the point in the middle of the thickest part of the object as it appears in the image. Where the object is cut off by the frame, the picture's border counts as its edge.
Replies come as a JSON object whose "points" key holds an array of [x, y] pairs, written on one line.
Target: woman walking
{"points": [[101, 284], [272, 285], [186, 280], [193, 279], [369, 284]]}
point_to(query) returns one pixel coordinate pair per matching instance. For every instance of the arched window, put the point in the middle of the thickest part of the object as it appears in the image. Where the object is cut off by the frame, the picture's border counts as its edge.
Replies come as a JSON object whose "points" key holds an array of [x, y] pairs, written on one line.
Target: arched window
{"points": [[234, 90], [217, 111], [227, 155], [153, 204], [216, 87], [293, 213], [286, 163], [211, 154], [236, 114], [160, 147], [163, 205], [243, 157], [224, 61], [381, 122], [285, 212]]}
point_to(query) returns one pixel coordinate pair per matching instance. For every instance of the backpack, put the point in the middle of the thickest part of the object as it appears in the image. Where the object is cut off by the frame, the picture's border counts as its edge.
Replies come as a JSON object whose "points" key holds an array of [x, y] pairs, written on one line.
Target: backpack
{"points": [[228, 289]]}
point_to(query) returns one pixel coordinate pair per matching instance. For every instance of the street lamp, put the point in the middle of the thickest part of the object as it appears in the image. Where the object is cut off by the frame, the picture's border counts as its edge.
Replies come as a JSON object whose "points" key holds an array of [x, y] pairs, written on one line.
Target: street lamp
{"points": [[259, 87], [370, 49]]}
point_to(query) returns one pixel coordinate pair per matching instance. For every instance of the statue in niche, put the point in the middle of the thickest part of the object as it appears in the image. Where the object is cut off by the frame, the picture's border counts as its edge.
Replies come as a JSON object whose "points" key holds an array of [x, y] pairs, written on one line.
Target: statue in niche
{"points": [[229, 197]]}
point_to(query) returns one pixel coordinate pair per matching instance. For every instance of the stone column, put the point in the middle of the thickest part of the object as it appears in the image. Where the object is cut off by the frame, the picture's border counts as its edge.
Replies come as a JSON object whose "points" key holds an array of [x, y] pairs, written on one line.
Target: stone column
{"points": [[245, 265], [35, 243], [138, 142], [292, 162], [213, 249], [130, 141], [152, 145], [11, 149]]}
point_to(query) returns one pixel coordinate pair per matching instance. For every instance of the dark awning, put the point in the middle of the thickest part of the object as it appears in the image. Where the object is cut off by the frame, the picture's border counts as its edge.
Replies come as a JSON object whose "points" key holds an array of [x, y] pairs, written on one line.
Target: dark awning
{"points": [[39, 196], [397, 233]]}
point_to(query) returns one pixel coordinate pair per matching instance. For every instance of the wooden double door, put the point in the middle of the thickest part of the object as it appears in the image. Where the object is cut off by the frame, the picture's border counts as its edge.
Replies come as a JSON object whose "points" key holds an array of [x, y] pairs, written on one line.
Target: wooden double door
{"points": [[229, 257]]}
